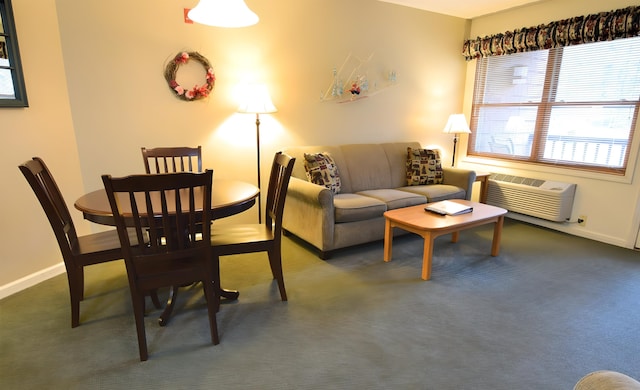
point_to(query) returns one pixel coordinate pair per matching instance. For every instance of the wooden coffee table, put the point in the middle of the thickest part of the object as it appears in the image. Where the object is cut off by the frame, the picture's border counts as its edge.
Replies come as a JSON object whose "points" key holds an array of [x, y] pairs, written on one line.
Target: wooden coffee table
{"points": [[429, 225]]}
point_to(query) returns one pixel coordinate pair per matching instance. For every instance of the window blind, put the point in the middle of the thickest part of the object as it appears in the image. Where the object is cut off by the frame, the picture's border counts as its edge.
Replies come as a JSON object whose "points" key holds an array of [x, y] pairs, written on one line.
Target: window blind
{"points": [[573, 106]]}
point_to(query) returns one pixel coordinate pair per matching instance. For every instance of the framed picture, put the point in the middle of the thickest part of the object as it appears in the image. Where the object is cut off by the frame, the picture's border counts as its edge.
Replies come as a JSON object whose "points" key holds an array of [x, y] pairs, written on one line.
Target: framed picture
{"points": [[12, 88]]}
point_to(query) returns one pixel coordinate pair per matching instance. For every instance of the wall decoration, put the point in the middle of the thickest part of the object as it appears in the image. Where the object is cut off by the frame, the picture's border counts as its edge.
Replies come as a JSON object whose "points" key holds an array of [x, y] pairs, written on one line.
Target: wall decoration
{"points": [[362, 80], [198, 91]]}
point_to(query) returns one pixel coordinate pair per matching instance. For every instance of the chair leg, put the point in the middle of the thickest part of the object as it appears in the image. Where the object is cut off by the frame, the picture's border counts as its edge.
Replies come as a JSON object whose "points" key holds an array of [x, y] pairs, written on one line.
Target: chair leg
{"points": [[212, 298], [80, 281], [275, 261], [75, 294], [75, 313], [216, 280], [138, 311]]}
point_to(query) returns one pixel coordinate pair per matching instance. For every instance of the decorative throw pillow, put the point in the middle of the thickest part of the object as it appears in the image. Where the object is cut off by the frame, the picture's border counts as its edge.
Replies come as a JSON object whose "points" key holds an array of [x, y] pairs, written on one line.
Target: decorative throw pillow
{"points": [[424, 167], [321, 170]]}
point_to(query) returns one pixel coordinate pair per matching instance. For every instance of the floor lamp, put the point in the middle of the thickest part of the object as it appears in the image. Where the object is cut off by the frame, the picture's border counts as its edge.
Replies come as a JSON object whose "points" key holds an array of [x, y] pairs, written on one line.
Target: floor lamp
{"points": [[455, 125], [256, 100]]}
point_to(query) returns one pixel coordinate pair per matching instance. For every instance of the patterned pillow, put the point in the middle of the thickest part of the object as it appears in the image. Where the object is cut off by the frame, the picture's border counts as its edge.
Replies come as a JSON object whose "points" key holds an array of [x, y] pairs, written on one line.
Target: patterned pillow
{"points": [[321, 170], [424, 167]]}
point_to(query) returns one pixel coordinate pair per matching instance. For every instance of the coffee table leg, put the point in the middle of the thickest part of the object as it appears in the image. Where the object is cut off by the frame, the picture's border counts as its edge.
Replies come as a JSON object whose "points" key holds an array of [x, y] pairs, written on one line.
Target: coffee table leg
{"points": [[388, 240], [427, 255], [497, 234]]}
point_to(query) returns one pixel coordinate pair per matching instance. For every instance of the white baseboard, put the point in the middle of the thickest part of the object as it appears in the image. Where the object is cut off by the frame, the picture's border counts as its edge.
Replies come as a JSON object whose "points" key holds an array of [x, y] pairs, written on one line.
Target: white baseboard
{"points": [[570, 228], [31, 280]]}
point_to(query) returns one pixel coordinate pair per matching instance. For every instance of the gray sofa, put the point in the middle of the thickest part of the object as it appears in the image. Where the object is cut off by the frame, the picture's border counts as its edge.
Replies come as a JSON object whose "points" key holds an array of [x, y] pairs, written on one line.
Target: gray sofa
{"points": [[373, 179]]}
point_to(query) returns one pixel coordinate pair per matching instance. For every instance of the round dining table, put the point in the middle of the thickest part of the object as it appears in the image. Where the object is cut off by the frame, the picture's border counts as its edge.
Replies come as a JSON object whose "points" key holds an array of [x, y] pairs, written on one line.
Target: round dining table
{"points": [[228, 197]]}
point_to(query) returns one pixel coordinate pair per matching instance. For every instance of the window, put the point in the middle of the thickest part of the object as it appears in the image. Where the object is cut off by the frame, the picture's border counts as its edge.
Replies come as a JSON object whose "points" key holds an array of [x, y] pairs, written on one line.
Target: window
{"points": [[12, 90], [575, 106]]}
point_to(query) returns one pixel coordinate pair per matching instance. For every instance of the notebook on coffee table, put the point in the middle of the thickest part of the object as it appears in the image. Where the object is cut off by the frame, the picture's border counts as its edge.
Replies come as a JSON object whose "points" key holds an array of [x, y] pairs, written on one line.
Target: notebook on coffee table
{"points": [[446, 207]]}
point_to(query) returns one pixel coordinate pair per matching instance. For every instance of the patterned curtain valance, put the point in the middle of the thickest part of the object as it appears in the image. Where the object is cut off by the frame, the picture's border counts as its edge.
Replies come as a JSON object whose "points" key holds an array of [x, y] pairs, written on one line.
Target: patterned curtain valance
{"points": [[605, 26]]}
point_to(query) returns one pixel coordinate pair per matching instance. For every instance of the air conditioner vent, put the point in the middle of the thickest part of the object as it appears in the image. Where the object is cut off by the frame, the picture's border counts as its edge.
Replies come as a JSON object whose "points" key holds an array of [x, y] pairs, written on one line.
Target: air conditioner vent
{"points": [[517, 179]]}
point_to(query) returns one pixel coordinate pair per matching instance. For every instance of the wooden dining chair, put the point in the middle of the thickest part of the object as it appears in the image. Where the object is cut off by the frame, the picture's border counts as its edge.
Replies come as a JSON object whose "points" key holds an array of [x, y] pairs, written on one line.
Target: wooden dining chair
{"points": [[172, 159], [267, 237], [176, 252], [77, 251]]}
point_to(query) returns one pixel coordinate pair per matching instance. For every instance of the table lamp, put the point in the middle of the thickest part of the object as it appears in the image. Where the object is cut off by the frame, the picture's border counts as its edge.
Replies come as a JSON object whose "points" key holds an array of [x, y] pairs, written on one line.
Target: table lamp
{"points": [[256, 100], [455, 125]]}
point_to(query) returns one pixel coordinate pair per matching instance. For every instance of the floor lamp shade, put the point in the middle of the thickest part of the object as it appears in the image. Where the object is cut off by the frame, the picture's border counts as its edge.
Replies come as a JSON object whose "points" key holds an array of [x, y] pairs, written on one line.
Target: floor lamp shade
{"points": [[256, 100], [456, 124], [223, 13]]}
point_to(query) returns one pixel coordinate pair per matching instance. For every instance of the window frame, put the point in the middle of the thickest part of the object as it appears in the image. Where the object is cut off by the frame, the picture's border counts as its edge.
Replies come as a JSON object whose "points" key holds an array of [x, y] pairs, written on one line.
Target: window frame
{"points": [[13, 54], [544, 107]]}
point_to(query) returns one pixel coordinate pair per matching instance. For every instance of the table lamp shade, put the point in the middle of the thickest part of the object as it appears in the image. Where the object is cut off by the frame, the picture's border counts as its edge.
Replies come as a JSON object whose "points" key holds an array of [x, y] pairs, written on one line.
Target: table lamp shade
{"points": [[223, 13], [256, 100], [457, 124]]}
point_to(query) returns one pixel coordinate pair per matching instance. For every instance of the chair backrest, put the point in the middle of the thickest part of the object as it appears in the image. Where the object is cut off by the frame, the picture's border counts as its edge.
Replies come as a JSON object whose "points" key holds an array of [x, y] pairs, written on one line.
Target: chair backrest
{"points": [[167, 160], [174, 210], [277, 192], [53, 204], [161, 206]]}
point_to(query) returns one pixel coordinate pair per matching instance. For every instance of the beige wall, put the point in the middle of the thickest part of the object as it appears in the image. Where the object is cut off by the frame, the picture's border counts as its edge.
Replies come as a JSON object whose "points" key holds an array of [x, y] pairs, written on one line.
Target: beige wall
{"points": [[611, 203], [115, 54]]}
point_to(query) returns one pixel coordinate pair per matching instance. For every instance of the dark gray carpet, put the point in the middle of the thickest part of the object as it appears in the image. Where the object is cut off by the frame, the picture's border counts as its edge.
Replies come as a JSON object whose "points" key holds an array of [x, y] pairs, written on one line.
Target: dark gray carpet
{"points": [[547, 311]]}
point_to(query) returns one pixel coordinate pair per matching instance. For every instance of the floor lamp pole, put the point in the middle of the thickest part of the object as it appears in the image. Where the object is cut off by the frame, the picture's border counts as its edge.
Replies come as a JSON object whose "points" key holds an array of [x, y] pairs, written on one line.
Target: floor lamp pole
{"points": [[258, 160], [455, 141]]}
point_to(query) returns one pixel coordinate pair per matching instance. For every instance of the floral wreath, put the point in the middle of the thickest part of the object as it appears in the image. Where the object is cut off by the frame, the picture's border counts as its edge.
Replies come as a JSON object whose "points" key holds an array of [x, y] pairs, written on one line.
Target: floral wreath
{"points": [[198, 91]]}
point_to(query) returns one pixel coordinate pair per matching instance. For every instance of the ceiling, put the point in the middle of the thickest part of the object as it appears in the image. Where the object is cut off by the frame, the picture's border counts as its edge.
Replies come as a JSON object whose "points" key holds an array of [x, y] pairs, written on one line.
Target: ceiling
{"points": [[467, 9]]}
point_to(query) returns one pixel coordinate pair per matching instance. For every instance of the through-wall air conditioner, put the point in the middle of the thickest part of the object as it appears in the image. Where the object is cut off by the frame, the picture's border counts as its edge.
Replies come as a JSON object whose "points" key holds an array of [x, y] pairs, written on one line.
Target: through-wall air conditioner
{"points": [[550, 200]]}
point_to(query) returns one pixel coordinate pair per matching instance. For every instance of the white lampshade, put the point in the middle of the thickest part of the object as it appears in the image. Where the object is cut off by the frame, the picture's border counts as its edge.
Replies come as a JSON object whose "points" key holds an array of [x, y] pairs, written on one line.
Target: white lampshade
{"points": [[456, 124], [223, 13], [256, 100]]}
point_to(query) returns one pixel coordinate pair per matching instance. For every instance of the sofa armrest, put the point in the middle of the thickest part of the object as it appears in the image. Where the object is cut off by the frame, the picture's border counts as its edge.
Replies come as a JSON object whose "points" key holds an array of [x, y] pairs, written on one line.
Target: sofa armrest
{"points": [[462, 178], [309, 213]]}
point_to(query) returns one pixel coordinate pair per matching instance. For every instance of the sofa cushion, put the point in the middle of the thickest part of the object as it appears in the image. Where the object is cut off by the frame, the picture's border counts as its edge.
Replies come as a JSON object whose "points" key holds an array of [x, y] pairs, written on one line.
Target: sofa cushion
{"points": [[367, 165], [354, 207], [397, 157], [395, 199], [438, 192], [424, 167], [322, 170]]}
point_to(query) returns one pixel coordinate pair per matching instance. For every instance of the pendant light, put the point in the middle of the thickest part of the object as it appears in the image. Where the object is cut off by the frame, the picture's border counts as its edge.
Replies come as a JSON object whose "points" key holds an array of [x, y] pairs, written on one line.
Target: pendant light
{"points": [[223, 13]]}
